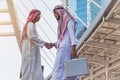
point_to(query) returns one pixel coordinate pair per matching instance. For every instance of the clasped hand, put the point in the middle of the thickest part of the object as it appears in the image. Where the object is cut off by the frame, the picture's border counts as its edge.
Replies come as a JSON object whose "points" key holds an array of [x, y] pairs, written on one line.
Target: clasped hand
{"points": [[49, 45]]}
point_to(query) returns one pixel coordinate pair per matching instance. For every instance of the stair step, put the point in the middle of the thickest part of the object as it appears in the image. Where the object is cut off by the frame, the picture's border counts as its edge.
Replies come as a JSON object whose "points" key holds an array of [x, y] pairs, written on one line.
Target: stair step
{"points": [[4, 11], [5, 22], [7, 34]]}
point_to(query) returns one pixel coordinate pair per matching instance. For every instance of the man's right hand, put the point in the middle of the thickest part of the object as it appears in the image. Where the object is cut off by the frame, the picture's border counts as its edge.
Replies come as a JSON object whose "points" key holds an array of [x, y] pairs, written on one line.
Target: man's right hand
{"points": [[49, 45]]}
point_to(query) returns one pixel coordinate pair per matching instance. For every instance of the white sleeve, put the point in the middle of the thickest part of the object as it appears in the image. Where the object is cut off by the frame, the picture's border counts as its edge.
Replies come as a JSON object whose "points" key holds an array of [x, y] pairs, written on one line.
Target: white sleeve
{"points": [[31, 33], [71, 31], [56, 43]]}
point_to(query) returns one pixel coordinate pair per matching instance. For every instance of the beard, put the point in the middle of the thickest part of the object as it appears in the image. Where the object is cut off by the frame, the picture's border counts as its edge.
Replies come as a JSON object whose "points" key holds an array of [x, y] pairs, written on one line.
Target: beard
{"points": [[58, 18]]}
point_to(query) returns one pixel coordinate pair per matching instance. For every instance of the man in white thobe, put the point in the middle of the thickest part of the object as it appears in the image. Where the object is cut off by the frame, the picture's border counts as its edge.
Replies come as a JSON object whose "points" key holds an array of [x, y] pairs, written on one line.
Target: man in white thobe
{"points": [[31, 59], [65, 44]]}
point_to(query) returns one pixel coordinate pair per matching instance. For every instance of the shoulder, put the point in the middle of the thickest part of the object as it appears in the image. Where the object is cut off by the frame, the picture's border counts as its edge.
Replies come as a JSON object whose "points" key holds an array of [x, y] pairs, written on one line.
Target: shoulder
{"points": [[70, 23], [30, 25]]}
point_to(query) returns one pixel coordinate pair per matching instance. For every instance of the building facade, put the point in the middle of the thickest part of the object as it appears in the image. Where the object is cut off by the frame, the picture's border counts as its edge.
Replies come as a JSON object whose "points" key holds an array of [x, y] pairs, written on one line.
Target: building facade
{"points": [[93, 10], [86, 10], [81, 11]]}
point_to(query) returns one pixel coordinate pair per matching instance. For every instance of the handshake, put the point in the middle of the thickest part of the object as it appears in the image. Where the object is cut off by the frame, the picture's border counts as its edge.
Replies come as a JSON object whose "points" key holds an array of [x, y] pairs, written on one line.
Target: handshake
{"points": [[49, 45]]}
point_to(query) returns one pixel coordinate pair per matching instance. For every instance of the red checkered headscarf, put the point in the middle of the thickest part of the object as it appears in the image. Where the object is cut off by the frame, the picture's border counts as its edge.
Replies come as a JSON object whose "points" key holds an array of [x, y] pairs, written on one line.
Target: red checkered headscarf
{"points": [[32, 16], [63, 21]]}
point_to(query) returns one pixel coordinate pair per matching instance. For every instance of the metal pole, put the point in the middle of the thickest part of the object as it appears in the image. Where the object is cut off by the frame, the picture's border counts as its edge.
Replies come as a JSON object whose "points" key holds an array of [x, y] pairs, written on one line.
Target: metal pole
{"points": [[91, 74], [106, 71]]}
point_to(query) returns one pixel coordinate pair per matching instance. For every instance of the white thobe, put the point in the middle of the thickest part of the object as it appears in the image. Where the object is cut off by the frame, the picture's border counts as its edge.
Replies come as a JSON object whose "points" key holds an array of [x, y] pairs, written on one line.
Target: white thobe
{"points": [[31, 61], [64, 53]]}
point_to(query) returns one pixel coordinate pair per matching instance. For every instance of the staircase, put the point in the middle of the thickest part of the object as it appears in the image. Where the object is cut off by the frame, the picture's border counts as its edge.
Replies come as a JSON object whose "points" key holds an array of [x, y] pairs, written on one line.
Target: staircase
{"points": [[8, 21]]}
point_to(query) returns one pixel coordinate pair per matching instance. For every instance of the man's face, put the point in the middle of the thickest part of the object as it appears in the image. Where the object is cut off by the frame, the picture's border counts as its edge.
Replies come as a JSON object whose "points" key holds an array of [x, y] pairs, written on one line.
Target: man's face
{"points": [[57, 16], [38, 17]]}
